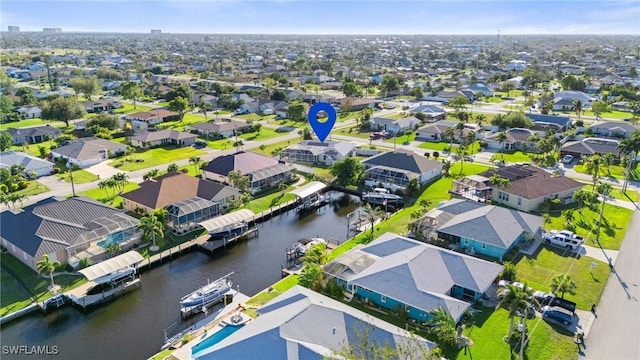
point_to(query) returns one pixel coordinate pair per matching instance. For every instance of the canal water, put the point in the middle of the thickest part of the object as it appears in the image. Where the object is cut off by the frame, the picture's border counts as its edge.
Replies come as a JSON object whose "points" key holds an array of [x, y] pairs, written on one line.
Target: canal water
{"points": [[133, 326]]}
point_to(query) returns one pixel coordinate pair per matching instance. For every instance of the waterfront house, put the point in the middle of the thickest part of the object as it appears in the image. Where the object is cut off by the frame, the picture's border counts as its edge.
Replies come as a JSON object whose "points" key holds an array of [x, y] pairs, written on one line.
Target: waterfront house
{"points": [[488, 230], [68, 230], [303, 324], [187, 199], [395, 169], [395, 272], [263, 172], [529, 187], [315, 152]]}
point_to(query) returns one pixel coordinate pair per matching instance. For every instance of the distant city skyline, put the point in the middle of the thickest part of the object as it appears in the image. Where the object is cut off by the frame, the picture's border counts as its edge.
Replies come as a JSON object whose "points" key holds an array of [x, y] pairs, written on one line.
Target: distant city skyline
{"points": [[326, 17]]}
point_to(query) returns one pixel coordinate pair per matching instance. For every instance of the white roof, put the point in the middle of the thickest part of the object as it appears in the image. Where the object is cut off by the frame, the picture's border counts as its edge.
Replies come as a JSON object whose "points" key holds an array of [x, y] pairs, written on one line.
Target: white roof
{"points": [[220, 222], [114, 264], [309, 189]]}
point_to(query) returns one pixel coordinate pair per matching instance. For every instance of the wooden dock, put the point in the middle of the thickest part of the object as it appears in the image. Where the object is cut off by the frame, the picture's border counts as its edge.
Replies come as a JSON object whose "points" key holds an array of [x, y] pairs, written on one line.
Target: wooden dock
{"points": [[213, 245], [172, 252]]}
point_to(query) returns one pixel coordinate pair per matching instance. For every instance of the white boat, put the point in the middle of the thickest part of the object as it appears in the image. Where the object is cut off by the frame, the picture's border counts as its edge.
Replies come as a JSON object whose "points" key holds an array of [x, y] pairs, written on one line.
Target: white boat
{"points": [[209, 293], [380, 195], [304, 244]]}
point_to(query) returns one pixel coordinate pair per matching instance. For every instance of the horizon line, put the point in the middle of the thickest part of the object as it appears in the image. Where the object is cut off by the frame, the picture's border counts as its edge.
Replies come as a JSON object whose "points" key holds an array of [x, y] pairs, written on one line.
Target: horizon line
{"points": [[310, 34]]}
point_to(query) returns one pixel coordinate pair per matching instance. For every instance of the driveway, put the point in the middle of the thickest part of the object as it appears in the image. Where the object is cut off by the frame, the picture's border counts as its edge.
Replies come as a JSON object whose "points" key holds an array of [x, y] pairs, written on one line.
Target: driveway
{"points": [[598, 254], [616, 330]]}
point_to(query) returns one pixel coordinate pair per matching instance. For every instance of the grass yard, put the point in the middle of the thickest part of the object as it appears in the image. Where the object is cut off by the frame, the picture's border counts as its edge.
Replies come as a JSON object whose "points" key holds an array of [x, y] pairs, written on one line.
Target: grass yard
{"points": [[353, 131], [517, 156], [264, 134], [107, 196], [614, 171], [268, 150], [289, 123], [491, 325], [494, 99], [615, 223], [538, 272], [30, 123], [619, 195], [21, 285], [266, 296], [613, 114], [128, 108], [80, 176], [265, 202], [34, 188], [155, 157], [436, 146]]}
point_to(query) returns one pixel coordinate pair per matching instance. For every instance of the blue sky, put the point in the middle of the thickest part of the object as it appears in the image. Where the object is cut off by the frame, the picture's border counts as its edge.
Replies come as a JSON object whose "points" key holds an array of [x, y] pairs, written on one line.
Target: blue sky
{"points": [[327, 17]]}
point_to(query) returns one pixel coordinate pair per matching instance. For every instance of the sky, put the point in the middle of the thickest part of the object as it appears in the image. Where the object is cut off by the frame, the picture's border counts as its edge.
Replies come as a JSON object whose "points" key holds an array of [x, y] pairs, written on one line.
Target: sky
{"points": [[327, 16]]}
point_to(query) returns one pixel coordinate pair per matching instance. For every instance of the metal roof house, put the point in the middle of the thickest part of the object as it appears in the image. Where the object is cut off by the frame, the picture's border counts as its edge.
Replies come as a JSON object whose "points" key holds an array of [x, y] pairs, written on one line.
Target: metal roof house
{"points": [[303, 324], [68, 230], [395, 169], [394, 271], [316, 152]]}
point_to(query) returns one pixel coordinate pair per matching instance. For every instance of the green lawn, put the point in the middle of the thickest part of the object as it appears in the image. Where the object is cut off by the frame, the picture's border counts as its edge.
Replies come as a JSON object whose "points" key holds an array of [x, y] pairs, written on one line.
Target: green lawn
{"points": [[614, 171], [31, 122], [269, 149], [353, 131], [290, 123], [437, 146], [490, 325], [273, 199], [615, 223], [107, 196], [16, 296], [517, 156], [613, 114], [80, 176], [155, 157], [539, 271], [254, 117], [264, 134], [618, 194], [277, 289], [128, 108], [34, 188], [494, 99]]}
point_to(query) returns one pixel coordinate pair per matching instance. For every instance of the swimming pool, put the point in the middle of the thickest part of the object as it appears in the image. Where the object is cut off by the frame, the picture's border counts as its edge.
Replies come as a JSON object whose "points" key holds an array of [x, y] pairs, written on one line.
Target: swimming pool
{"points": [[215, 338]]}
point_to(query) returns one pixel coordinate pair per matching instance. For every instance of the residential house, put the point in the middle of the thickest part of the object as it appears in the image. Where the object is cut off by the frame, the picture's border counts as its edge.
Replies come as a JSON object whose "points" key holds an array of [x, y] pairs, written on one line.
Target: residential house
{"points": [[357, 104], [432, 112], [145, 119], [611, 129], [315, 152], [590, 146], [563, 100], [564, 122], [29, 112], [395, 272], [449, 95], [146, 139], [395, 169], [30, 163], [85, 152], [529, 187], [282, 331], [68, 230], [33, 135], [476, 228], [100, 106], [225, 128], [437, 131], [517, 139], [187, 199], [394, 127], [481, 88], [263, 172]]}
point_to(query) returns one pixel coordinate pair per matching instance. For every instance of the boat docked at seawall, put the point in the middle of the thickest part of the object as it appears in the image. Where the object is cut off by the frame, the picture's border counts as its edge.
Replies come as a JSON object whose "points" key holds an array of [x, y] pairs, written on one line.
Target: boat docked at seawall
{"points": [[212, 292], [381, 196], [229, 231], [303, 245]]}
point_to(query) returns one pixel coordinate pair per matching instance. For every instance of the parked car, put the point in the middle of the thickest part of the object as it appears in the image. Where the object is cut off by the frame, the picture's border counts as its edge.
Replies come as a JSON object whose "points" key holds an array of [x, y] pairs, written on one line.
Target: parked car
{"points": [[563, 238], [550, 299], [557, 314], [199, 144], [567, 159]]}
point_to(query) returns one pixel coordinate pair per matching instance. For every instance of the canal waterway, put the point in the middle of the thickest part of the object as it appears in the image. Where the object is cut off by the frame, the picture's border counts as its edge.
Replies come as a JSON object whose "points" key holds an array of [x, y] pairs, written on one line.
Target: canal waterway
{"points": [[133, 326]]}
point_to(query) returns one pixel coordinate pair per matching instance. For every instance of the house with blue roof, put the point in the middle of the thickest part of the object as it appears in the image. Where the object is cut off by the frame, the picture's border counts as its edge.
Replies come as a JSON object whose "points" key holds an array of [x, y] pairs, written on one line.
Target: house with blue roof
{"points": [[563, 121], [481, 88], [303, 324], [395, 272]]}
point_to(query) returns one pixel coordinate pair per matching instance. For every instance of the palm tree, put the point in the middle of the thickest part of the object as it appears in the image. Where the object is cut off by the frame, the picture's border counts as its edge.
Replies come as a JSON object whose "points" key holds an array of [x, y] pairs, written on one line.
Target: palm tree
{"points": [[480, 118], [593, 166], [173, 167], [442, 326], [577, 107], [462, 152], [608, 159], [446, 166], [563, 284], [204, 107], [450, 134], [630, 147], [498, 181], [372, 215], [515, 300], [500, 138], [151, 228], [568, 217], [47, 266], [195, 160]]}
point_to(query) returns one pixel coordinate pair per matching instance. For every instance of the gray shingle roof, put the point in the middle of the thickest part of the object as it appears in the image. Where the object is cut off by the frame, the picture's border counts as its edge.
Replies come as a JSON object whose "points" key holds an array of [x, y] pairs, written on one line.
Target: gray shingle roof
{"points": [[414, 273], [30, 162], [87, 148], [150, 136], [284, 331], [404, 160], [591, 146], [245, 162], [492, 224]]}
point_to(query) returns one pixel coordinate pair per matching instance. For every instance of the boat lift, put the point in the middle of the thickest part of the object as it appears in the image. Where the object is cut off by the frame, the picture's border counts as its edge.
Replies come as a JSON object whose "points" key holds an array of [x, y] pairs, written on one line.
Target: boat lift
{"points": [[227, 297]]}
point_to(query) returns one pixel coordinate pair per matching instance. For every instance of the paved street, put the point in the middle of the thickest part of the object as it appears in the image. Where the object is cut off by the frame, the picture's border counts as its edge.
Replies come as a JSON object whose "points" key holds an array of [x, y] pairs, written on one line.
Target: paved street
{"points": [[616, 331]]}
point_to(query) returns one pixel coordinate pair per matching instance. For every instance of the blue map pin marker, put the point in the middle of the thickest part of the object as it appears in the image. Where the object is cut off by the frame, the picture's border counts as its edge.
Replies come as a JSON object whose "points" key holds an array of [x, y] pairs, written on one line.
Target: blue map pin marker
{"points": [[322, 129]]}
